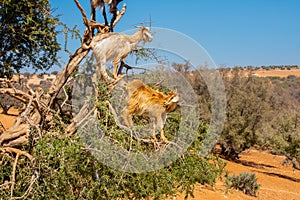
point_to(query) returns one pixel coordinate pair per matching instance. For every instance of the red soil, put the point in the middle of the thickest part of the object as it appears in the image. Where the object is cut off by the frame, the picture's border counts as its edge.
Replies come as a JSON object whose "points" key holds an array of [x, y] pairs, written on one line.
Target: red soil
{"points": [[8, 120], [277, 182]]}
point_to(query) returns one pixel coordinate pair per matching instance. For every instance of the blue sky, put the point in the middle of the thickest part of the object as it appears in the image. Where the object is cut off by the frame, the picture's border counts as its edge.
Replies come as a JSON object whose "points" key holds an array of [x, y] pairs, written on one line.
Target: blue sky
{"points": [[233, 32]]}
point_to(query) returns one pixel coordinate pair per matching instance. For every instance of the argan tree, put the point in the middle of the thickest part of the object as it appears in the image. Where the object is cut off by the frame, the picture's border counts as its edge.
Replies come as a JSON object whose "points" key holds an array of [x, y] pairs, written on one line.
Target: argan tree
{"points": [[248, 110], [29, 40], [38, 53], [28, 36]]}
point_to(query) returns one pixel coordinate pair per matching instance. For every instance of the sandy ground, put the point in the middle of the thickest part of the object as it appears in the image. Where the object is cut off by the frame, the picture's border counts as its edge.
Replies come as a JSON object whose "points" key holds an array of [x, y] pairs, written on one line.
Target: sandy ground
{"points": [[277, 182], [8, 120], [277, 73]]}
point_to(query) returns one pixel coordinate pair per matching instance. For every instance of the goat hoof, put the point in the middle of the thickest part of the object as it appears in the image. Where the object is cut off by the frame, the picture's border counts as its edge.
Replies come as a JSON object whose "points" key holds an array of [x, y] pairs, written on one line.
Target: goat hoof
{"points": [[154, 139], [165, 140]]}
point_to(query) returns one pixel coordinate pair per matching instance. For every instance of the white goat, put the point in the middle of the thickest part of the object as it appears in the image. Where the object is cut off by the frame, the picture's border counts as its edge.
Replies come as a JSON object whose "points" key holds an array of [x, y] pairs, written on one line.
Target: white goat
{"points": [[115, 47], [113, 10]]}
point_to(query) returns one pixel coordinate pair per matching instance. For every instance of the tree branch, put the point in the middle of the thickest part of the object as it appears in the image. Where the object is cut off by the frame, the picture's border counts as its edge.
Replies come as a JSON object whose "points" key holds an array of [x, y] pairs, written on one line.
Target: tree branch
{"points": [[13, 176], [83, 114], [16, 151], [85, 20], [120, 15]]}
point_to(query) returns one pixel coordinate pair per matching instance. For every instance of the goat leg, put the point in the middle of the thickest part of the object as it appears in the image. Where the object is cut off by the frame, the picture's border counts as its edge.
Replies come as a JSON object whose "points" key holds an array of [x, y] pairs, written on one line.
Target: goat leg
{"points": [[93, 17], [128, 67], [121, 67], [111, 26], [127, 117], [154, 131], [115, 74], [123, 64], [104, 15], [115, 12], [160, 120], [101, 71], [162, 136]]}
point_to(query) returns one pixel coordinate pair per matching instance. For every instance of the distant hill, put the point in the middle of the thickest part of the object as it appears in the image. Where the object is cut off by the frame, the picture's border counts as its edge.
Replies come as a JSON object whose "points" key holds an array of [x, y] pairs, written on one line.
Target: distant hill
{"points": [[265, 71], [276, 73]]}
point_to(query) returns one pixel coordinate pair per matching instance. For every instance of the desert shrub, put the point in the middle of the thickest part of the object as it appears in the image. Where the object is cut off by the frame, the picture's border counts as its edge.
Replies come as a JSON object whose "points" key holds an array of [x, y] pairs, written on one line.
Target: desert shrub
{"points": [[66, 170], [287, 144], [245, 182]]}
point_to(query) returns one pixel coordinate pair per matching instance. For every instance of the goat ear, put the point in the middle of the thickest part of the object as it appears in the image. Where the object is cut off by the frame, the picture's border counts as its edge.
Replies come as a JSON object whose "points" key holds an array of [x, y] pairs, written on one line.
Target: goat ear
{"points": [[137, 26], [175, 99]]}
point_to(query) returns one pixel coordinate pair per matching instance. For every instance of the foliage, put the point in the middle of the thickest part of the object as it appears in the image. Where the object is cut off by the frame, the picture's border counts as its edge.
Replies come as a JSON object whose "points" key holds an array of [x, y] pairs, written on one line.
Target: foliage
{"points": [[259, 110], [287, 140], [64, 168], [28, 36], [247, 112], [245, 182]]}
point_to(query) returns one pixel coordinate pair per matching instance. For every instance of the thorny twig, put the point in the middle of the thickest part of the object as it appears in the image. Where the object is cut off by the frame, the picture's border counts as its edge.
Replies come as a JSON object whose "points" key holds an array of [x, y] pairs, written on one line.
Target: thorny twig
{"points": [[79, 119], [33, 124], [13, 176], [34, 177], [113, 112]]}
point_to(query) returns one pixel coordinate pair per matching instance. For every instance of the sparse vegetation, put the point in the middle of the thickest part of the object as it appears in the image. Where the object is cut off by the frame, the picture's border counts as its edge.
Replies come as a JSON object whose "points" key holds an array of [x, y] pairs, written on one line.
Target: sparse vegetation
{"points": [[245, 182]]}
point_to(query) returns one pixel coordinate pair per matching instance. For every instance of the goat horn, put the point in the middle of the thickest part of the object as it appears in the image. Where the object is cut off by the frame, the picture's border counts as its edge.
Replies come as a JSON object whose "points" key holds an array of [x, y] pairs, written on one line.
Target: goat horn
{"points": [[150, 22]]}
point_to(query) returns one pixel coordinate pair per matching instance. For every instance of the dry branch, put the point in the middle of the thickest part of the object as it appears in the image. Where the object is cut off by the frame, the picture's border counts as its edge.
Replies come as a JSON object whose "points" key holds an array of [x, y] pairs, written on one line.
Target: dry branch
{"points": [[13, 176], [34, 177], [62, 78], [18, 94], [120, 15], [85, 20], [113, 112], [17, 135], [2, 128], [83, 114], [16, 151]]}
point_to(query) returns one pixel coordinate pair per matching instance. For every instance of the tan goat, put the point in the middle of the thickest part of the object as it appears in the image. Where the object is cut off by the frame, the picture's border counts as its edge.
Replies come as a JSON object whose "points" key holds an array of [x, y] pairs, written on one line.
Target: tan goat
{"points": [[115, 47], [147, 102]]}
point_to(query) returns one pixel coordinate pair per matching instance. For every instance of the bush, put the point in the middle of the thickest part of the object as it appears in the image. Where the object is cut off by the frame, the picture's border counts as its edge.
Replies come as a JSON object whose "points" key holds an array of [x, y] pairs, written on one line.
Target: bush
{"points": [[63, 168], [244, 182]]}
